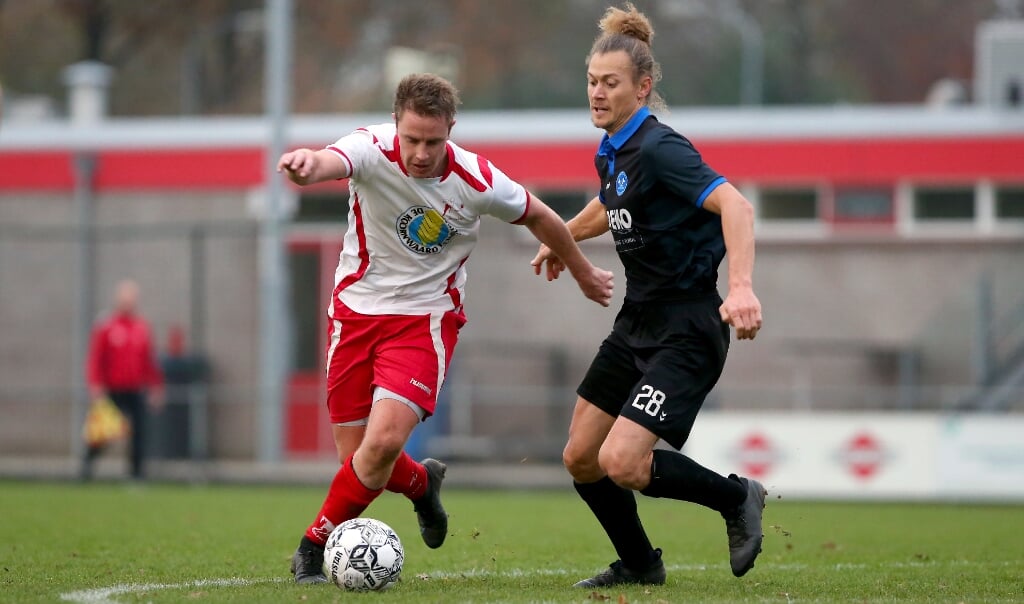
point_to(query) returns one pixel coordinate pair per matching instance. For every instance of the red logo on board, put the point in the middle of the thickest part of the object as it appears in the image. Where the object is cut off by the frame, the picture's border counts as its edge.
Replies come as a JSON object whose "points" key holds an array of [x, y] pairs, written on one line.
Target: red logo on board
{"points": [[756, 455], [863, 455]]}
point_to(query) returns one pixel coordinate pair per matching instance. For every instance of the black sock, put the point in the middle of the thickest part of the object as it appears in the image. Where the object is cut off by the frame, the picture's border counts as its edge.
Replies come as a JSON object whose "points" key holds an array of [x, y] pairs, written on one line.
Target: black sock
{"points": [[676, 476], [91, 453], [615, 508]]}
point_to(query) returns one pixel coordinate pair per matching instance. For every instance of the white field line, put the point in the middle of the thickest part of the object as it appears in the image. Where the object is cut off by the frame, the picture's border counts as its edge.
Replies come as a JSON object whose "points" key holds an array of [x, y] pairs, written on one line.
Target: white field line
{"points": [[105, 595], [765, 567]]}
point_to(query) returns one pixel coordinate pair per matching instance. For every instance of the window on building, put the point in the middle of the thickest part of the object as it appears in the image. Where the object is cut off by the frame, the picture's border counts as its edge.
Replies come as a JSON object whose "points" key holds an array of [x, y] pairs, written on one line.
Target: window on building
{"points": [[321, 207], [1010, 203], [306, 307], [863, 205], [788, 204], [565, 203], [948, 204]]}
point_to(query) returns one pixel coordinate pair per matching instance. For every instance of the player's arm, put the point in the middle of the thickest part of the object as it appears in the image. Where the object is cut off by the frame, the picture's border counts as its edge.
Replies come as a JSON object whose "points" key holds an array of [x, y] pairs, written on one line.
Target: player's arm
{"points": [[741, 308], [590, 222], [549, 229], [306, 167]]}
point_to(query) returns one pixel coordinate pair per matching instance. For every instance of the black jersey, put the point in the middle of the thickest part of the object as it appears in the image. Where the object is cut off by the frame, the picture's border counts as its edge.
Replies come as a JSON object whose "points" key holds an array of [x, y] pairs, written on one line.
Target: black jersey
{"points": [[653, 184]]}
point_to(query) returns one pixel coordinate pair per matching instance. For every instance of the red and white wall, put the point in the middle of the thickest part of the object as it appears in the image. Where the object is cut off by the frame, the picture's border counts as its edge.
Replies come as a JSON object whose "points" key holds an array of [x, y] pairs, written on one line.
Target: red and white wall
{"points": [[867, 455], [855, 289]]}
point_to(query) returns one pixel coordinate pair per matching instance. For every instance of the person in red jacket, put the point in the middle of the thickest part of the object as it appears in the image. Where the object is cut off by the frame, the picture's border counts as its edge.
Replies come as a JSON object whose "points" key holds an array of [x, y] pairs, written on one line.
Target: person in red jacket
{"points": [[122, 366]]}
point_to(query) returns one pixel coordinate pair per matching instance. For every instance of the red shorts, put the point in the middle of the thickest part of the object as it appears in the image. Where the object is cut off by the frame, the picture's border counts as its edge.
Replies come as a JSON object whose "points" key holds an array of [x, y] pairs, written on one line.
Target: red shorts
{"points": [[406, 354]]}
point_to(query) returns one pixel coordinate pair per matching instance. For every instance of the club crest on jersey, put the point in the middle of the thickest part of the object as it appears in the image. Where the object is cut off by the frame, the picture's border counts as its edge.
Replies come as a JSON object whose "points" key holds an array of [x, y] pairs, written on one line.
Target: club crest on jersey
{"points": [[423, 230], [621, 182]]}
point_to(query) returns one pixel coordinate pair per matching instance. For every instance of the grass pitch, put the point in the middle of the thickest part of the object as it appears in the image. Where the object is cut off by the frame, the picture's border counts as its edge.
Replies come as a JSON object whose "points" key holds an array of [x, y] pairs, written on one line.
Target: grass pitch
{"points": [[171, 543]]}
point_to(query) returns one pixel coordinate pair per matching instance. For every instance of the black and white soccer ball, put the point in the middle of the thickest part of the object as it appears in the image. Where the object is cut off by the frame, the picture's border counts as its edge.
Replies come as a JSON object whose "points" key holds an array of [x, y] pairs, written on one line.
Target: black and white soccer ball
{"points": [[363, 554]]}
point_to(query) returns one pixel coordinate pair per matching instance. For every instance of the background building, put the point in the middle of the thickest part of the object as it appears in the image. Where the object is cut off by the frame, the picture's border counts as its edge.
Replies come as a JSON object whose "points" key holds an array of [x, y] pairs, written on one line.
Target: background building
{"points": [[890, 236]]}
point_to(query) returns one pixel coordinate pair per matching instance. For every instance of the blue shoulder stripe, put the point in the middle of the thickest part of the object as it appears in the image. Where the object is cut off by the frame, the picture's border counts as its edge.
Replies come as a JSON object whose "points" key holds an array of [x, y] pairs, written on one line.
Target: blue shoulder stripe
{"points": [[707, 190]]}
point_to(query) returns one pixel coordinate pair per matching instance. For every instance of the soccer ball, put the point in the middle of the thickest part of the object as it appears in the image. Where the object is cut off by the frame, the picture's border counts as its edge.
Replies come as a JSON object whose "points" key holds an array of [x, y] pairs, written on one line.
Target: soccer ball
{"points": [[363, 554]]}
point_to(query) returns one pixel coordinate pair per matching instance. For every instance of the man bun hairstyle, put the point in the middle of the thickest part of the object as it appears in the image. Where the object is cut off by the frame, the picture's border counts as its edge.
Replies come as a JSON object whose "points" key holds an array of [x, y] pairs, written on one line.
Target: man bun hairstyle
{"points": [[427, 94], [627, 29], [629, 22]]}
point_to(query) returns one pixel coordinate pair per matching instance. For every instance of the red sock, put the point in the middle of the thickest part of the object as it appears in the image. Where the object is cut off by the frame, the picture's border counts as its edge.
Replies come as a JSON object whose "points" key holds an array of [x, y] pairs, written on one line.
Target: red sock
{"points": [[346, 499], [408, 478]]}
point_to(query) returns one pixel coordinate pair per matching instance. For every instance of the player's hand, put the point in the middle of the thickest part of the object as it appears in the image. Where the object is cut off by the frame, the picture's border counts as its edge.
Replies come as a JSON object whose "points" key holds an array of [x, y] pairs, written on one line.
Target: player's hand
{"points": [[742, 310], [298, 164], [555, 266], [597, 284]]}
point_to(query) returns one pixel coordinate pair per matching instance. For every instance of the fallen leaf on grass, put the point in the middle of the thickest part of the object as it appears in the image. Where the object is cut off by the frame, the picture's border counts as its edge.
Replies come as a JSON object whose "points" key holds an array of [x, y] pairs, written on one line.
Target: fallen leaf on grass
{"points": [[780, 530], [599, 597]]}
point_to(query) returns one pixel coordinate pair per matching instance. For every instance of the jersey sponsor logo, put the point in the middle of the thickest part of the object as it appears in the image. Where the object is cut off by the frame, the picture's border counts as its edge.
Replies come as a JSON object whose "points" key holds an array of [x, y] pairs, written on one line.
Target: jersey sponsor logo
{"points": [[627, 239], [620, 219], [424, 230], [621, 182]]}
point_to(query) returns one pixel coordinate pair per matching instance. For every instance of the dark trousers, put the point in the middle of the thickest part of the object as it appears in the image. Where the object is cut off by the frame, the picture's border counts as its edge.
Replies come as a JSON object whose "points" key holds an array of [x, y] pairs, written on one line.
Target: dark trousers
{"points": [[133, 404]]}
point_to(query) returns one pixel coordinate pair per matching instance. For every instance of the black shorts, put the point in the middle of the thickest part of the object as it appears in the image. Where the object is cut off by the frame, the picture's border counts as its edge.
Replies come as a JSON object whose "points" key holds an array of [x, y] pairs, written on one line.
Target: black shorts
{"points": [[659, 364]]}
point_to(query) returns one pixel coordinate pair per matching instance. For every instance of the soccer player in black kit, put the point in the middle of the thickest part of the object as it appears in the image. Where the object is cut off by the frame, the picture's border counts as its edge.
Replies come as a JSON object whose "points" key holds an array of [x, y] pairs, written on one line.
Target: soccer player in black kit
{"points": [[673, 219]]}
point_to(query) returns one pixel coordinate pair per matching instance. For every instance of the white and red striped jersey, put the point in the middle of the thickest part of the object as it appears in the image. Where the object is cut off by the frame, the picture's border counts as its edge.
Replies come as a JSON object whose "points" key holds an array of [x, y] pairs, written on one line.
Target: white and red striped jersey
{"points": [[409, 238]]}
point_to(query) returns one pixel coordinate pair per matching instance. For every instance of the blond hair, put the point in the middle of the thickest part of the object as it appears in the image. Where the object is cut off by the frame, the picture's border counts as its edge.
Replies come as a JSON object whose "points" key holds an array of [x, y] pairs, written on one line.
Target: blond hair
{"points": [[627, 29]]}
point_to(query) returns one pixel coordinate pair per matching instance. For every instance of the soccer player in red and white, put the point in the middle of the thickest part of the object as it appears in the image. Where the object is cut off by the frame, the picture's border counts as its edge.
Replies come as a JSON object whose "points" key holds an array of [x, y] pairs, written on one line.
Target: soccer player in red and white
{"points": [[414, 216]]}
